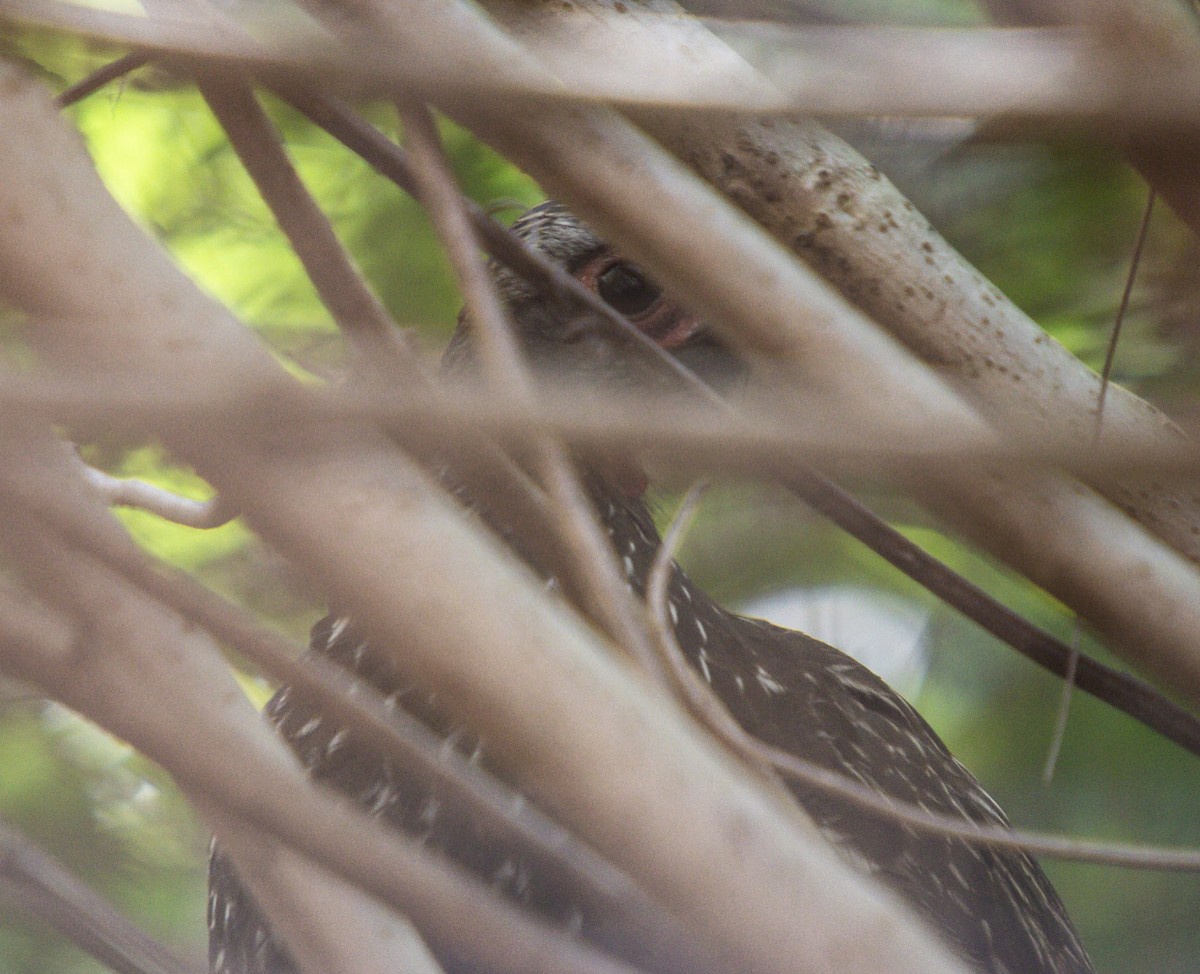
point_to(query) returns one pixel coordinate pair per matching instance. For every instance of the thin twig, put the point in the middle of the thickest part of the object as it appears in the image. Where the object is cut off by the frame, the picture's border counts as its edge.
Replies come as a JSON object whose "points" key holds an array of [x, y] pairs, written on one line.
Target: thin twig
{"points": [[1127, 693], [34, 881], [101, 77], [1064, 705], [985, 71], [709, 708], [129, 492], [342, 288], [1114, 337], [698, 696]]}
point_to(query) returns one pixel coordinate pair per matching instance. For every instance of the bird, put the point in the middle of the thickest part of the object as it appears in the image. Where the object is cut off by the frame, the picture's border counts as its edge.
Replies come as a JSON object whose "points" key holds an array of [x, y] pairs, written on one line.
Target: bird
{"points": [[993, 907]]}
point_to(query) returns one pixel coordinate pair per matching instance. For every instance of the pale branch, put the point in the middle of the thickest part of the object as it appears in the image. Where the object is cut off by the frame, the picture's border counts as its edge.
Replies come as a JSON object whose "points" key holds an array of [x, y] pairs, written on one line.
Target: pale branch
{"points": [[703, 702], [1034, 76], [130, 492], [1039, 76], [577, 732], [690, 441], [506, 375], [674, 432], [33, 881]]}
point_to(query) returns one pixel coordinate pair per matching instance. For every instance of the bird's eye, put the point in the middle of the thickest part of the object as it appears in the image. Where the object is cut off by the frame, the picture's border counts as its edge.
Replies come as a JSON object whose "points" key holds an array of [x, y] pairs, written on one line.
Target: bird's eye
{"points": [[624, 288]]}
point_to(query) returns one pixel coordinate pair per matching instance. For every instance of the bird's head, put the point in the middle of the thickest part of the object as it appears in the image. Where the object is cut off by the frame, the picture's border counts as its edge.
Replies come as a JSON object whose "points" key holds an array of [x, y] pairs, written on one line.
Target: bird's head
{"points": [[575, 350], [571, 345]]}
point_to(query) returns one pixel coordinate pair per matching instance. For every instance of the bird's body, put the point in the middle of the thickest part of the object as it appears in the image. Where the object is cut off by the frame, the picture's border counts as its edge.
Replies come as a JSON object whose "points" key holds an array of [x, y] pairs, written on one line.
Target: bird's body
{"points": [[994, 907]]}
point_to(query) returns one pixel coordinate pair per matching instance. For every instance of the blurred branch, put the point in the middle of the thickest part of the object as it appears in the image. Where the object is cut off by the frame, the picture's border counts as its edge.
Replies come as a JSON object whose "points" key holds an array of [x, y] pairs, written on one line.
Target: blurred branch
{"points": [[692, 441], [342, 288], [33, 881], [577, 732], [1040, 74], [672, 433]]}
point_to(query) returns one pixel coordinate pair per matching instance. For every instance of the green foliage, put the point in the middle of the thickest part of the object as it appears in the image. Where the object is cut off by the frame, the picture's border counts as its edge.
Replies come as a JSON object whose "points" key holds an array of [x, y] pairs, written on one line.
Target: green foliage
{"points": [[113, 818]]}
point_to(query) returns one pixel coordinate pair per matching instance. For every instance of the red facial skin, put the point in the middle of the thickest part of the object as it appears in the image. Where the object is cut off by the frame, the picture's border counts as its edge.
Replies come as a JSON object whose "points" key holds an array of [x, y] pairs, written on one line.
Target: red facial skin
{"points": [[664, 321], [667, 324]]}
